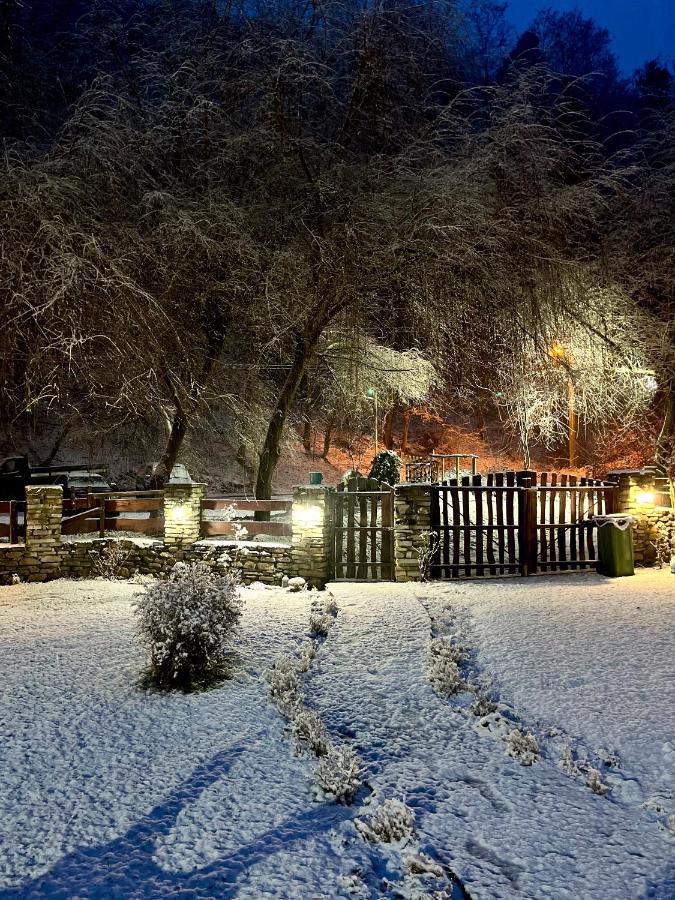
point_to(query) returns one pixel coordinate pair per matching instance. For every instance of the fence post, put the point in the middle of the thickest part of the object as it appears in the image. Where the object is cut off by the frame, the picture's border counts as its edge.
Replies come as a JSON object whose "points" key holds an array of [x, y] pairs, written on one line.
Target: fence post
{"points": [[183, 512], [13, 529], [44, 506], [527, 522], [312, 540], [412, 524]]}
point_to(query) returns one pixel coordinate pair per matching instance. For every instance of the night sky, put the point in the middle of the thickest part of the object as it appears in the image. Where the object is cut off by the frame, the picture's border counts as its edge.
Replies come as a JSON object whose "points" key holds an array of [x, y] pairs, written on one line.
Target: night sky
{"points": [[641, 29]]}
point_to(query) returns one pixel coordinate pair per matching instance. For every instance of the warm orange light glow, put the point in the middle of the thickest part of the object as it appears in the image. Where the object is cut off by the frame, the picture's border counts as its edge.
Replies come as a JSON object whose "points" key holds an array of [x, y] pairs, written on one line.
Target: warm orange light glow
{"points": [[558, 351]]}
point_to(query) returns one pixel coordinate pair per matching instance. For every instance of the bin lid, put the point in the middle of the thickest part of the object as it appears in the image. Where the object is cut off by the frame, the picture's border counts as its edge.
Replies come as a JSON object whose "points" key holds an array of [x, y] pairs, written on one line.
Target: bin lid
{"points": [[622, 521]]}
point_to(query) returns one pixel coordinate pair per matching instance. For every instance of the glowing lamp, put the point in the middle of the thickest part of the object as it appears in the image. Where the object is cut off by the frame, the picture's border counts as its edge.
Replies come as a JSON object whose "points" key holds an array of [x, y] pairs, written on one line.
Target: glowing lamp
{"points": [[307, 516], [179, 513], [645, 498]]}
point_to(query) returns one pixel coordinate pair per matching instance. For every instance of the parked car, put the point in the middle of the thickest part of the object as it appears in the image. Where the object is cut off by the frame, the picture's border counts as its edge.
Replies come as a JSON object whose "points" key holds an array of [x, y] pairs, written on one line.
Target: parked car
{"points": [[76, 481], [80, 484]]}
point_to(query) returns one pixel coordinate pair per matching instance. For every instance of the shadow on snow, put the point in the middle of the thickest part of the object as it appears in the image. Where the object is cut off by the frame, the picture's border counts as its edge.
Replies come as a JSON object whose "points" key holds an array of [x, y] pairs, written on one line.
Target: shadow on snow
{"points": [[125, 867]]}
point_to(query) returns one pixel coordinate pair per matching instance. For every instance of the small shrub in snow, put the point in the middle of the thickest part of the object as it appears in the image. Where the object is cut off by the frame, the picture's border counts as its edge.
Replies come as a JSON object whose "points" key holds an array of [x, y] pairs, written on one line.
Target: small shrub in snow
{"points": [[187, 624], [338, 773], [483, 707], [568, 763], [307, 655], [109, 562], [595, 783], [522, 746], [443, 670], [320, 624], [391, 821], [308, 728], [282, 679], [330, 607], [426, 547]]}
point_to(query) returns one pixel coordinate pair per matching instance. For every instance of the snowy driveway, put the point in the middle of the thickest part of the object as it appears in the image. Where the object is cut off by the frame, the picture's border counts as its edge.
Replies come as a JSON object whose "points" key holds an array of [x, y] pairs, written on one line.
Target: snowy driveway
{"points": [[111, 792]]}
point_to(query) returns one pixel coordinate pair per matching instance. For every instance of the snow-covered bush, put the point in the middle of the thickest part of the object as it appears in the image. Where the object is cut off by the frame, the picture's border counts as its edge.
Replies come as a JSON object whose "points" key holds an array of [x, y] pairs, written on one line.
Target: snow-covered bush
{"points": [[386, 467], [338, 773], [330, 607], [391, 821], [282, 679], [443, 670], [426, 547], [109, 562], [320, 624], [308, 728], [595, 783], [187, 623], [483, 707], [522, 746], [307, 654]]}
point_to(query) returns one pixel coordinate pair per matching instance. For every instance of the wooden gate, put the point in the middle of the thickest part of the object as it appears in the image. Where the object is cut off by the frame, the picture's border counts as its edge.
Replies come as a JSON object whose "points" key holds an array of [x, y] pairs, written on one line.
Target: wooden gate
{"points": [[363, 529], [508, 524]]}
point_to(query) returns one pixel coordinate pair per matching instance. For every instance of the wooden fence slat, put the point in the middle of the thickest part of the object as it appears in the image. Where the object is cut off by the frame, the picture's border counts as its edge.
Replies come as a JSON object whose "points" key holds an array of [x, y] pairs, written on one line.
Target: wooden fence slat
{"points": [[351, 549], [454, 495], [374, 506], [338, 534], [387, 550], [562, 543], [573, 498], [510, 517], [478, 502], [363, 536], [543, 540], [490, 529], [254, 505], [211, 527], [501, 536], [466, 520]]}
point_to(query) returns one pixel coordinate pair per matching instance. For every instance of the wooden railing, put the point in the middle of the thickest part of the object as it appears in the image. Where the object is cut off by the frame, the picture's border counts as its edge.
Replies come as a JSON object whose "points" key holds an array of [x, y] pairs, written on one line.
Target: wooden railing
{"points": [[14, 528], [230, 525], [103, 512]]}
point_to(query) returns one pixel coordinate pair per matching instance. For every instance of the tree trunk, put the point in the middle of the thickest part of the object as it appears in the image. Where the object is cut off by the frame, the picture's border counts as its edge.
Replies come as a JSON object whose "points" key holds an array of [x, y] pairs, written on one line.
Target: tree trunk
{"points": [[271, 449], [177, 432], [327, 435], [406, 427], [307, 436], [388, 430]]}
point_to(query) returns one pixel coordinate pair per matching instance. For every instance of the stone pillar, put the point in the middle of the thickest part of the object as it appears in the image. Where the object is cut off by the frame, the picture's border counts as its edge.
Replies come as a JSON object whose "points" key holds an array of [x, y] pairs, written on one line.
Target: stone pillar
{"points": [[312, 541], [183, 512], [44, 507], [412, 524], [635, 495]]}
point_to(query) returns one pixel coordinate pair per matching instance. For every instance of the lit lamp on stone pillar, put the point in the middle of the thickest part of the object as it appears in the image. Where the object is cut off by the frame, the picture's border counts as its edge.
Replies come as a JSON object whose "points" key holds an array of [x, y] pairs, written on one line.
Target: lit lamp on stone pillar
{"points": [[306, 515]]}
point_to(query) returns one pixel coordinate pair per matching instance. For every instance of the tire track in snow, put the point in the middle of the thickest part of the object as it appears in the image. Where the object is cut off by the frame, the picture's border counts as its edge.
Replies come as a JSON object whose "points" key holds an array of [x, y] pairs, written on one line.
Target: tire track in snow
{"points": [[532, 832]]}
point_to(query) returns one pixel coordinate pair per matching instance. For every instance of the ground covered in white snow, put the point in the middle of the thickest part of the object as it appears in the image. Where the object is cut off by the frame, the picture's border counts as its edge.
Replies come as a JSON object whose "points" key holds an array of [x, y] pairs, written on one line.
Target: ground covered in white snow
{"points": [[108, 790]]}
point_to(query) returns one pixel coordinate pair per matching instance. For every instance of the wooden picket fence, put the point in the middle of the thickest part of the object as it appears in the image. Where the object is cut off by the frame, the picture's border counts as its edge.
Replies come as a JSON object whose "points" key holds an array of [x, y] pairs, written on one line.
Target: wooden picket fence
{"points": [[516, 523], [14, 528], [363, 529], [211, 526]]}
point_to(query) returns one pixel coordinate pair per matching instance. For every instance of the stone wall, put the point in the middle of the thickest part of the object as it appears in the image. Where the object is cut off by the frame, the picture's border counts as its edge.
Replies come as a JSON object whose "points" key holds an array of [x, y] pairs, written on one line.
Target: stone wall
{"points": [[654, 526], [266, 562], [46, 555], [412, 524]]}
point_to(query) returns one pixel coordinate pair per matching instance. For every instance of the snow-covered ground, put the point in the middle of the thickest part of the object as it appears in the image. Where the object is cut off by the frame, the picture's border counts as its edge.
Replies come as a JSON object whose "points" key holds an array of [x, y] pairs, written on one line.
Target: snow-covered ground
{"points": [[108, 791]]}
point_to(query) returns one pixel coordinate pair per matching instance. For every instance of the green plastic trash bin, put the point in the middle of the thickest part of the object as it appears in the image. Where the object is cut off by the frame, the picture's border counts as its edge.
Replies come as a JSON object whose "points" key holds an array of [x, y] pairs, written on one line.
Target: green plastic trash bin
{"points": [[615, 545]]}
